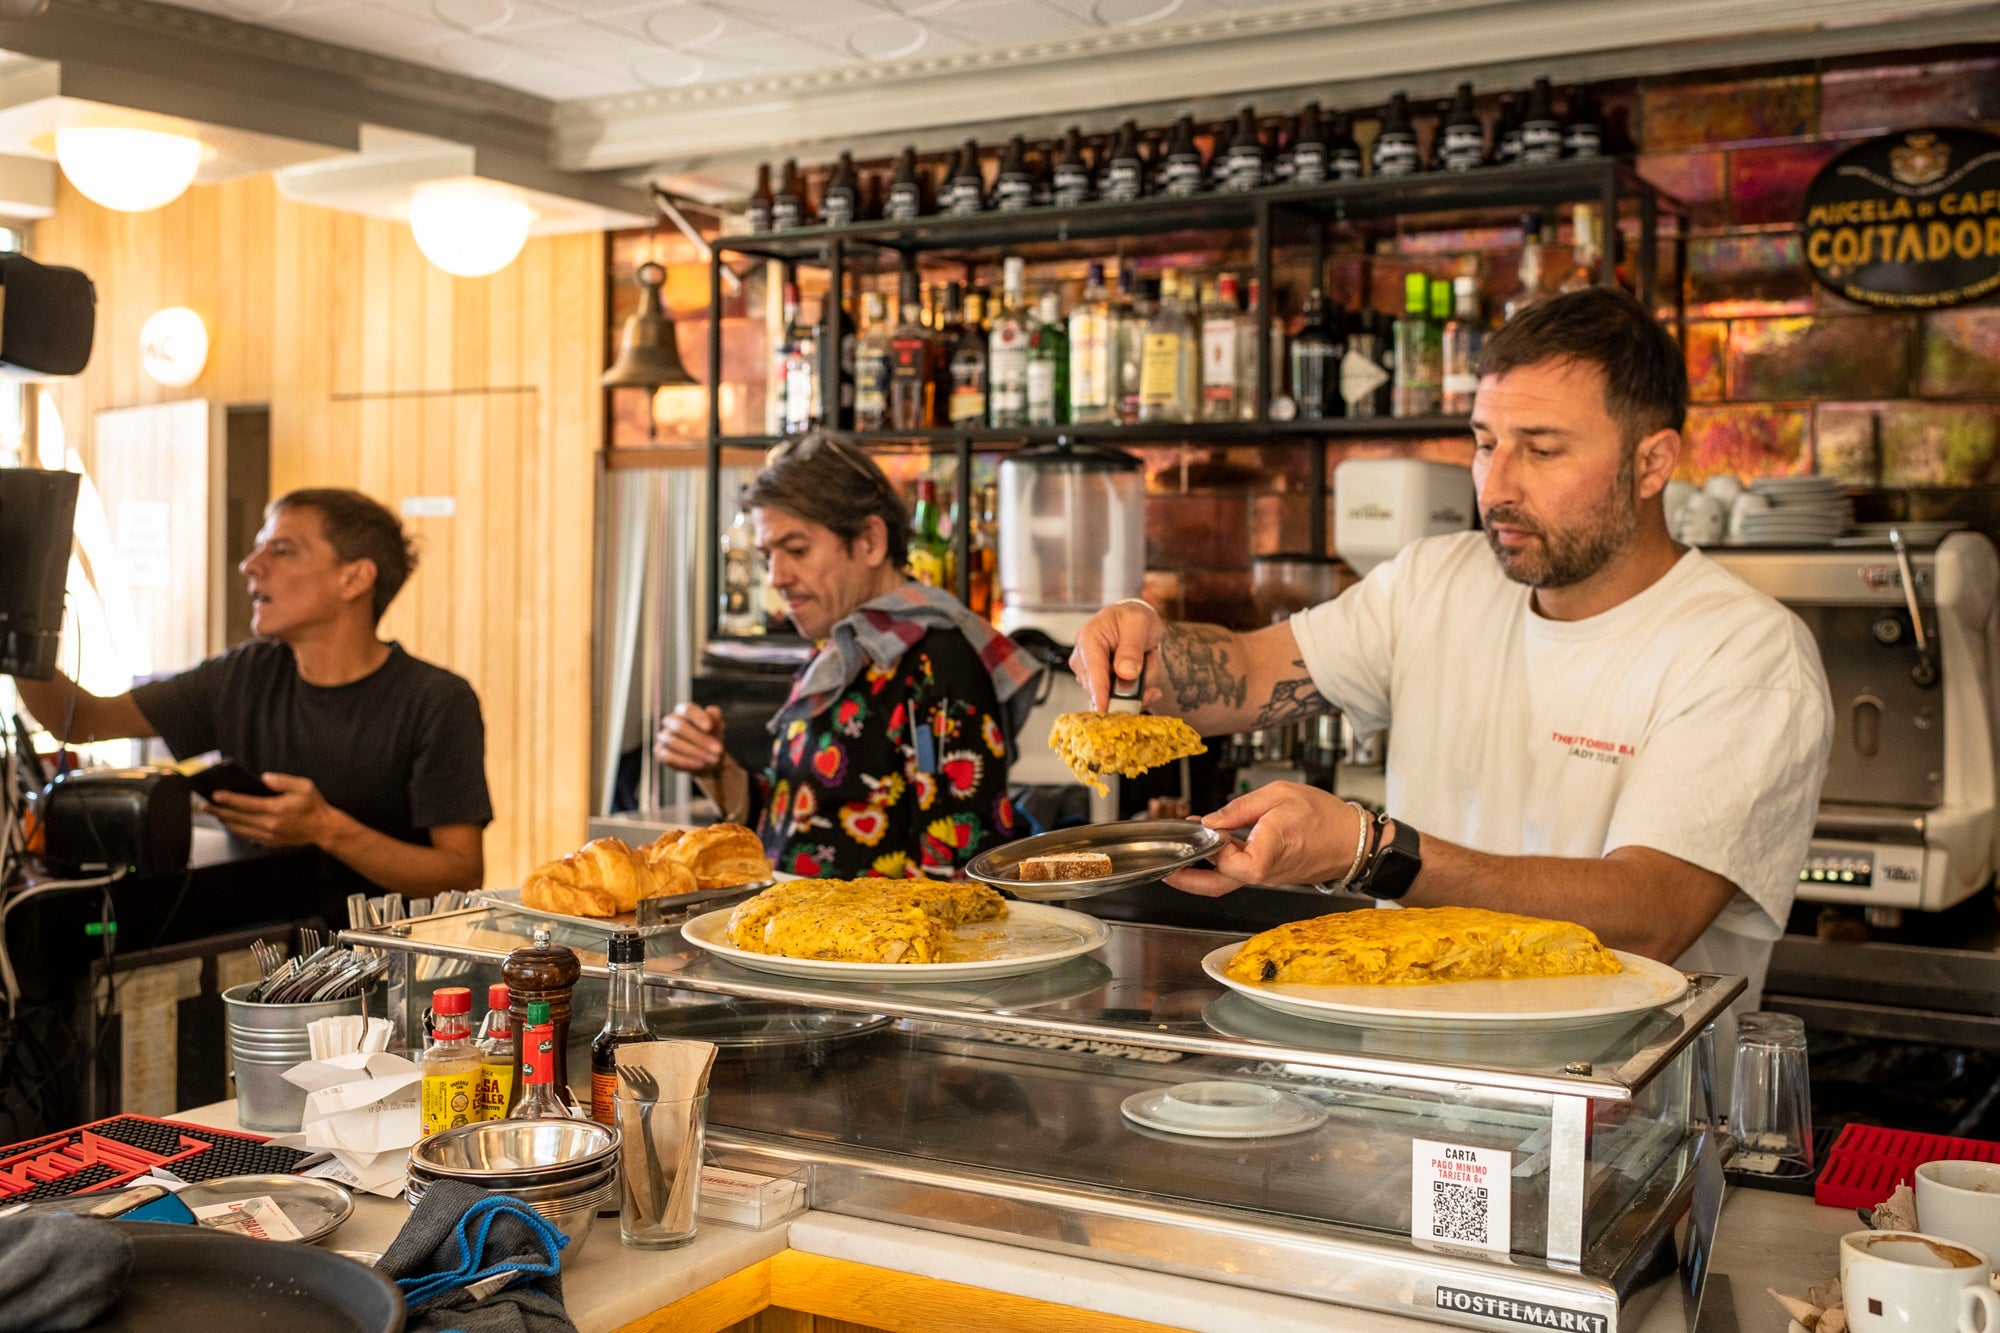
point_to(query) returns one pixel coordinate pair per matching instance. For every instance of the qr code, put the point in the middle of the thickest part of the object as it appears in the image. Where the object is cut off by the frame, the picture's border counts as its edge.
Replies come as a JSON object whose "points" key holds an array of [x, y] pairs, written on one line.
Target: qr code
{"points": [[1460, 1213]]}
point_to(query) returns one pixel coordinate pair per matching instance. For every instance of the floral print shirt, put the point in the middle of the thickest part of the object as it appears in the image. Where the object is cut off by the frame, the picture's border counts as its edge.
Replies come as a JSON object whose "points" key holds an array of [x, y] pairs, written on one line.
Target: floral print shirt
{"points": [[904, 774]]}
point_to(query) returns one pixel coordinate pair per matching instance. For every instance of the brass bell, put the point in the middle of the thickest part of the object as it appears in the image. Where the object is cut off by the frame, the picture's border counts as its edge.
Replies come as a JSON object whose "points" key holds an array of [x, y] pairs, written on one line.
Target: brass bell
{"points": [[648, 357]]}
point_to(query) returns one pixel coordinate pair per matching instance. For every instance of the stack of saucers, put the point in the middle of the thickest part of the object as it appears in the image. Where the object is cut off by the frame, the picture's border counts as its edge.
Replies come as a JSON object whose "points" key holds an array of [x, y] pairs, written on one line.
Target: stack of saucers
{"points": [[1805, 511]]}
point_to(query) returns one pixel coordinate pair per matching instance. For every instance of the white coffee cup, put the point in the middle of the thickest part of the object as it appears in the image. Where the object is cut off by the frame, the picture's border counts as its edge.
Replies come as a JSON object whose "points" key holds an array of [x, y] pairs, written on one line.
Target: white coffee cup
{"points": [[1961, 1201], [1723, 487], [1675, 498], [1704, 521], [1908, 1282], [1742, 507]]}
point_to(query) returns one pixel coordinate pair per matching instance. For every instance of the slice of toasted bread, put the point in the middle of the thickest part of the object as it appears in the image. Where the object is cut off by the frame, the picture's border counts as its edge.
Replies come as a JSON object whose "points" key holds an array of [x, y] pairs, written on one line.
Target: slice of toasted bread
{"points": [[1068, 865]]}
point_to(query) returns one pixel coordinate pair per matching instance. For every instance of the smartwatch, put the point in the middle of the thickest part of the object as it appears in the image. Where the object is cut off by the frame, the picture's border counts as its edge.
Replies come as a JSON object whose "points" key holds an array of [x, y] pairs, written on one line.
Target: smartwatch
{"points": [[1394, 867]]}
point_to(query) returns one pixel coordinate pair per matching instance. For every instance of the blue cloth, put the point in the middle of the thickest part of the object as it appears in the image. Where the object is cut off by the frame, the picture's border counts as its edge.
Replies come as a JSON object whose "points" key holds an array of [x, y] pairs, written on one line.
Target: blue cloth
{"points": [[460, 1233]]}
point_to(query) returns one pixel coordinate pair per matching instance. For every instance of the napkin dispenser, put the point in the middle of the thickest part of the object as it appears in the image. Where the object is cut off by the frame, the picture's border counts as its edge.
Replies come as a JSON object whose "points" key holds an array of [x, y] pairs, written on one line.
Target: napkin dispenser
{"points": [[99, 819]]}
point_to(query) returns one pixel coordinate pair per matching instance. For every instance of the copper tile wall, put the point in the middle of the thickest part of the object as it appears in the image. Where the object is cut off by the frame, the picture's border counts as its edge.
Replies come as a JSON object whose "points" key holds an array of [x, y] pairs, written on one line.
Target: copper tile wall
{"points": [[1785, 376]]}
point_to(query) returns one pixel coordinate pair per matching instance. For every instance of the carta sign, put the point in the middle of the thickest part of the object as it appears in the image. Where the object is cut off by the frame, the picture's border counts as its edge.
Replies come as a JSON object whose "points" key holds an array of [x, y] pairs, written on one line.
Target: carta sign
{"points": [[1909, 221]]}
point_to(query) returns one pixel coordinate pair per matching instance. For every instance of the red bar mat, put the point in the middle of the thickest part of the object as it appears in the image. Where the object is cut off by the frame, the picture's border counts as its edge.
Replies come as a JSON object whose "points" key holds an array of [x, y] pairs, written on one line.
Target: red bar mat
{"points": [[108, 1153], [1867, 1162]]}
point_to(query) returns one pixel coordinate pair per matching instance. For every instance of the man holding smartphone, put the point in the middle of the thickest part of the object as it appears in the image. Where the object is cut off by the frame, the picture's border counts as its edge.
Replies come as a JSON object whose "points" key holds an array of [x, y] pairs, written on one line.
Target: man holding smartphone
{"points": [[369, 754]]}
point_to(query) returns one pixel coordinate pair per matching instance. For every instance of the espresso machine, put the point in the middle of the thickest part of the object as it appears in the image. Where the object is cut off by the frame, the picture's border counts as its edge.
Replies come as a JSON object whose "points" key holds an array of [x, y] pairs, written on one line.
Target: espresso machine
{"points": [[1910, 637], [1072, 540]]}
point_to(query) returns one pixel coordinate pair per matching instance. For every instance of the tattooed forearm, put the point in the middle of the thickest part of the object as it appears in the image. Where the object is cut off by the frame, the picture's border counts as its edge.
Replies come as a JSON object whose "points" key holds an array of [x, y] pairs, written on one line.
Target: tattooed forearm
{"points": [[1197, 659], [1292, 699]]}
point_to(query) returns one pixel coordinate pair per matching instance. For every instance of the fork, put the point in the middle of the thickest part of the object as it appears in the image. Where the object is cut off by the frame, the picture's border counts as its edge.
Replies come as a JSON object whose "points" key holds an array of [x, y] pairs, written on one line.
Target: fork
{"points": [[641, 1080]]}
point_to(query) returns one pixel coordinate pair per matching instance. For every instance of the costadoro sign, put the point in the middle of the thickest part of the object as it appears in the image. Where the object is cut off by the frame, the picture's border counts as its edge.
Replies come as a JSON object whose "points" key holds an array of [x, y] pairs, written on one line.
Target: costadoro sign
{"points": [[1909, 221]]}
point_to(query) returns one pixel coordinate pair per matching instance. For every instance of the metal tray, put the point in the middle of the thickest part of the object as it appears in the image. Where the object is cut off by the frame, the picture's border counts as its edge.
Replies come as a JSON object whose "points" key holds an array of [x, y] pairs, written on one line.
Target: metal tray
{"points": [[662, 914], [1141, 851], [316, 1207]]}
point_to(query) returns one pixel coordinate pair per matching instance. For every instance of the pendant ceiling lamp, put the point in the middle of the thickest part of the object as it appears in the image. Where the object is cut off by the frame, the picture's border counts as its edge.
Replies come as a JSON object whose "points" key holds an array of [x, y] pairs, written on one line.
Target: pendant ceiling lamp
{"points": [[467, 229], [133, 171]]}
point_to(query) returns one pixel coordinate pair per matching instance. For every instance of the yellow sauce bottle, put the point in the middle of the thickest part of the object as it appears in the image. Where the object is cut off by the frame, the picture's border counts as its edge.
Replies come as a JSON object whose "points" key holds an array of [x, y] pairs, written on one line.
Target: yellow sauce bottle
{"points": [[452, 1065], [496, 1044]]}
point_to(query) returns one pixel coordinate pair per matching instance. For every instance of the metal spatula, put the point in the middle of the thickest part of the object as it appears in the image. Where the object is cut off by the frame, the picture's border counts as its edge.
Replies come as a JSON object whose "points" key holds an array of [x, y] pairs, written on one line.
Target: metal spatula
{"points": [[1132, 701]]}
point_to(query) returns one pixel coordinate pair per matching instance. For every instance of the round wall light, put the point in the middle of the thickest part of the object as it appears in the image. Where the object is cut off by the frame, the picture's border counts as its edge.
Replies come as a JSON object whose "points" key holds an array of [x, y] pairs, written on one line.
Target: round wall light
{"points": [[173, 346], [133, 171], [467, 229]]}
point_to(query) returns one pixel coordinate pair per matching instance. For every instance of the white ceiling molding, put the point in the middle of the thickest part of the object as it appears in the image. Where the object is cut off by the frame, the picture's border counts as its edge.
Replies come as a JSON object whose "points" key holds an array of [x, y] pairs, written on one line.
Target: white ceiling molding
{"points": [[385, 176], [698, 137], [222, 75]]}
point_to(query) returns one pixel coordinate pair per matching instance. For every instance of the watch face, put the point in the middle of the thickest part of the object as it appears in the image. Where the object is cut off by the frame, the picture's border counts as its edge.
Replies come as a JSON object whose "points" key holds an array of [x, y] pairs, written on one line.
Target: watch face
{"points": [[1396, 866]]}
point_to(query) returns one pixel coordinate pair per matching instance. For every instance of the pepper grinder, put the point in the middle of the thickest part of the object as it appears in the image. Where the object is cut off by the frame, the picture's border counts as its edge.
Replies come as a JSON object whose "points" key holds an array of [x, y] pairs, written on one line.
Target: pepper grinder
{"points": [[548, 972]]}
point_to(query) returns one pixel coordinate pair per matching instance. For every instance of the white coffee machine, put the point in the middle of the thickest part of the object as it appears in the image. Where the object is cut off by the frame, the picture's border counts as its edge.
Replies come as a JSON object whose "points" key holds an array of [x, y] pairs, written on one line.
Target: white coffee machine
{"points": [[1381, 505], [1911, 644]]}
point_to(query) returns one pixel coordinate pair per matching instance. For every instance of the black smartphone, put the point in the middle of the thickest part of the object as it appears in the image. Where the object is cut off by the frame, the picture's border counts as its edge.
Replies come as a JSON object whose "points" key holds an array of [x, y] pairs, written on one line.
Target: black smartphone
{"points": [[227, 775]]}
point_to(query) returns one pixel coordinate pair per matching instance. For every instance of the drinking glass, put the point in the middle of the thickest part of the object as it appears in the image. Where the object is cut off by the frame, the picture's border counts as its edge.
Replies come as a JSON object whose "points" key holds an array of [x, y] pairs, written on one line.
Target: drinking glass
{"points": [[1770, 1105], [660, 1169]]}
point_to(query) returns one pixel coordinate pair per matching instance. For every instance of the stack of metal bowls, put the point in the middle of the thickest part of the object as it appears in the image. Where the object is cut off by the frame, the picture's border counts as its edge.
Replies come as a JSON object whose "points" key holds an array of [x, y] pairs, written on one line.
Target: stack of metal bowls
{"points": [[565, 1169]]}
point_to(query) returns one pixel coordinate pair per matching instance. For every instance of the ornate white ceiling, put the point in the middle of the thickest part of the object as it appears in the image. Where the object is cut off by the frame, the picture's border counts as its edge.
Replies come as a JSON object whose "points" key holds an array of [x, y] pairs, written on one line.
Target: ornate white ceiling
{"points": [[570, 49]]}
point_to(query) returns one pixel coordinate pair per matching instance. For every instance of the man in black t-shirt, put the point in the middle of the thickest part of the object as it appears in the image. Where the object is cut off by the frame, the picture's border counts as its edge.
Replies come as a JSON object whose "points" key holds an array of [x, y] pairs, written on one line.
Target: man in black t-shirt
{"points": [[377, 758]]}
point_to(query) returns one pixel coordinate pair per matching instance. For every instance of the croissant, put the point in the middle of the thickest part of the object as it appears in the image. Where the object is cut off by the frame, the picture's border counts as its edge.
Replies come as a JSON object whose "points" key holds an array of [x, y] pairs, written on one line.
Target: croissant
{"points": [[721, 856], [602, 878]]}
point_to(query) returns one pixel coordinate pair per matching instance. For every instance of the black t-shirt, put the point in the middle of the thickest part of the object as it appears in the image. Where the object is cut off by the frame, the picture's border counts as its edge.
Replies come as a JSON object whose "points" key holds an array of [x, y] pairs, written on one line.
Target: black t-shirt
{"points": [[402, 750]]}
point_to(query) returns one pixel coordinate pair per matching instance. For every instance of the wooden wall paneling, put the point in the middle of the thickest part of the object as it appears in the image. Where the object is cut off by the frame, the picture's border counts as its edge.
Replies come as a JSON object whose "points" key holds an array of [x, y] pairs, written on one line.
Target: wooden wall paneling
{"points": [[440, 326], [538, 587], [579, 433], [248, 313], [510, 768], [378, 305], [345, 304]]}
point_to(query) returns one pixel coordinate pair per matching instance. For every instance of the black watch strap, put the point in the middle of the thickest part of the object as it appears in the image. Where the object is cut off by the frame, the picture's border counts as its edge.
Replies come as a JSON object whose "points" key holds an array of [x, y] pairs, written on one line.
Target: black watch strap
{"points": [[1394, 866]]}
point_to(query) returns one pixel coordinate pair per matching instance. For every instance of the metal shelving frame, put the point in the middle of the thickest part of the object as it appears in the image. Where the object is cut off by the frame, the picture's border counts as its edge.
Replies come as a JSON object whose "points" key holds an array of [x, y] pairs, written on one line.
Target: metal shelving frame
{"points": [[1275, 216]]}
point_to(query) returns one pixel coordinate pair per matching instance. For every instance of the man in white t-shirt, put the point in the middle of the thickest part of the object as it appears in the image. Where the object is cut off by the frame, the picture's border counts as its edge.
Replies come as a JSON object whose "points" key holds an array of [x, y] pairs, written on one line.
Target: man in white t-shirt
{"points": [[1592, 723]]}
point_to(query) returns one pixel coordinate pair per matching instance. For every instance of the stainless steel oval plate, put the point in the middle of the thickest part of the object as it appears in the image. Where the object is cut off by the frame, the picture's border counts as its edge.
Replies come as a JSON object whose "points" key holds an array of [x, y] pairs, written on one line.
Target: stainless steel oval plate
{"points": [[1141, 850]]}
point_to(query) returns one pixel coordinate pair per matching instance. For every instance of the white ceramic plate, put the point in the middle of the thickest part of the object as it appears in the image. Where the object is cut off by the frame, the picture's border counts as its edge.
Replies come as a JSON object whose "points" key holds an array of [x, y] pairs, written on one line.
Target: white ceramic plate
{"points": [[680, 902], [1223, 1110], [1550, 1003], [1030, 937]]}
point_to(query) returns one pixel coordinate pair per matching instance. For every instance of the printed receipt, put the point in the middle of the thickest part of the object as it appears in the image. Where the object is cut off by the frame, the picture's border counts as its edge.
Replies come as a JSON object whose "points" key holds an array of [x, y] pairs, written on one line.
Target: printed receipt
{"points": [[259, 1218], [1461, 1195]]}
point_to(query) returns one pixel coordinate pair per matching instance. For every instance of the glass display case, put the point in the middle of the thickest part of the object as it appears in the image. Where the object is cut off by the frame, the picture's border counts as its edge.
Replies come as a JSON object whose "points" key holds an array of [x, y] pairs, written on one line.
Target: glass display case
{"points": [[1439, 1174]]}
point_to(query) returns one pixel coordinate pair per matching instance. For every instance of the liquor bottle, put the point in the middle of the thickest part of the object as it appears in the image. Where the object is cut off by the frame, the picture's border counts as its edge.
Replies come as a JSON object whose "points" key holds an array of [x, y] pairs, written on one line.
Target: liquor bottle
{"points": [[1124, 169], [1461, 140], [1071, 178], [1528, 287], [1224, 334], [802, 378], [1507, 132], [1048, 364], [1041, 166], [1586, 250], [873, 362], [840, 201], [781, 356], [905, 202], [1343, 154], [930, 553], [1170, 366], [759, 210], [1014, 188], [1284, 142], [1416, 380], [968, 368], [983, 581], [1583, 127], [1184, 169], [1243, 166], [451, 1064], [1153, 148], [542, 972], [912, 364], [1395, 149], [496, 1048], [1092, 353], [1315, 362], [1461, 349], [1541, 132], [1275, 357], [788, 207], [624, 1021], [1366, 369], [741, 575], [1138, 299], [541, 1058], [1007, 350], [1309, 149], [965, 191], [850, 337]]}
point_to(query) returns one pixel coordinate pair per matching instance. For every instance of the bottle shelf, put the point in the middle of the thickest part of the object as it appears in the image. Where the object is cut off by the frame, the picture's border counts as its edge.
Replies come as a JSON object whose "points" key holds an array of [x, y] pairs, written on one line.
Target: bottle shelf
{"points": [[1511, 187], [1159, 432]]}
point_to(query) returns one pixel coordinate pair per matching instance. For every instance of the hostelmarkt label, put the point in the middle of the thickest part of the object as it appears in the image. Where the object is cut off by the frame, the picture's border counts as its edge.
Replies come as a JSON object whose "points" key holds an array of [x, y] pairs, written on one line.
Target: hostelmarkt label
{"points": [[1909, 220]]}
